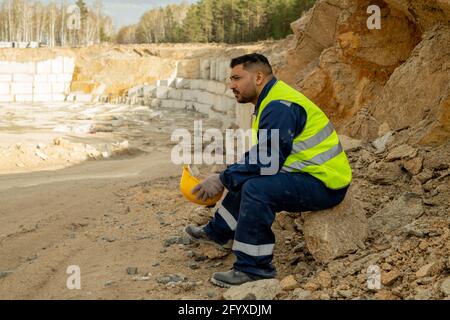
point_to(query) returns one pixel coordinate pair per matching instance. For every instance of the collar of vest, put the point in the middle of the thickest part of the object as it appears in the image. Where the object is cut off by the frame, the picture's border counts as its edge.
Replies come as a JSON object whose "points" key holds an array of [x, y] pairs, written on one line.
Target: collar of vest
{"points": [[265, 91]]}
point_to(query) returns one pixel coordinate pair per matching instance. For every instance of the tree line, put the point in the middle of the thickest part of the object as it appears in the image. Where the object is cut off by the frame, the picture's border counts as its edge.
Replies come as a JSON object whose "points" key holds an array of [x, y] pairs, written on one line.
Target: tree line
{"points": [[229, 21], [55, 23]]}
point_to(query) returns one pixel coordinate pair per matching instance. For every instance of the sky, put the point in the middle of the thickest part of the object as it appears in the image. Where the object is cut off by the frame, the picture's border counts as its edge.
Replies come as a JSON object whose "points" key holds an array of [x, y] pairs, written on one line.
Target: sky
{"points": [[125, 12]]}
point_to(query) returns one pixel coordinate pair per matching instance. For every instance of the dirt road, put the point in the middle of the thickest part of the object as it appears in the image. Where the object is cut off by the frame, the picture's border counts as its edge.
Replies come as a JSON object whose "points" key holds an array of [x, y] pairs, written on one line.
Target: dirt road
{"points": [[105, 217]]}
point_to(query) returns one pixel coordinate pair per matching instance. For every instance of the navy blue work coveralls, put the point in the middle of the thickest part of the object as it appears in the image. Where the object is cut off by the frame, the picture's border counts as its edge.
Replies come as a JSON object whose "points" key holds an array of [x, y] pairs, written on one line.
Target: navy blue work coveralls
{"points": [[248, 210]]}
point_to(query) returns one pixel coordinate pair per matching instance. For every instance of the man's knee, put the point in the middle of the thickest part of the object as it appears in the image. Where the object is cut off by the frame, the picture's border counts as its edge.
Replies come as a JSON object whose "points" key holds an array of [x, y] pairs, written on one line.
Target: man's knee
{"points": [[249, 187], [256, 190]]}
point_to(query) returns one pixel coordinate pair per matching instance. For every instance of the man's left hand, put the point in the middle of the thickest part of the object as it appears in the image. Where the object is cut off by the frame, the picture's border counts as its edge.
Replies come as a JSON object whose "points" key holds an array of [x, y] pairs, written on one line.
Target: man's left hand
{"points": [[209, 187]]}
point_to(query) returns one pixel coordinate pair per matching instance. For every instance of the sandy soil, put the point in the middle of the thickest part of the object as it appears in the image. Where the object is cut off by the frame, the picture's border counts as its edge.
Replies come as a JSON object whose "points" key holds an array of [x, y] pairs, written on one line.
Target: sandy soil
{"points": [[104, 217]]}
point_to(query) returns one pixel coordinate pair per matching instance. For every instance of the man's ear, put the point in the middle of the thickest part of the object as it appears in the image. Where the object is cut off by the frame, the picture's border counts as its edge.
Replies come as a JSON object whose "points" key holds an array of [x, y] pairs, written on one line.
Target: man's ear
{"points": [[259, 78]]}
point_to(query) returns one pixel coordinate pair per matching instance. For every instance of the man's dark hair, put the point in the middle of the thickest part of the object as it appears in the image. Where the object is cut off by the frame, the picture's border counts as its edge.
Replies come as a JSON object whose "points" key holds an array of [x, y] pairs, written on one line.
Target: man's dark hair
{"points": [[253, 59]]}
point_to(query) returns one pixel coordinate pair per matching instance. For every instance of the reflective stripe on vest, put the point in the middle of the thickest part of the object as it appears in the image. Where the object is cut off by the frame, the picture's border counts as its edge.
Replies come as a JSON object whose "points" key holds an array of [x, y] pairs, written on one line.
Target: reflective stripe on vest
{"points": [[314, 140], [321, 158], [316, 150]]}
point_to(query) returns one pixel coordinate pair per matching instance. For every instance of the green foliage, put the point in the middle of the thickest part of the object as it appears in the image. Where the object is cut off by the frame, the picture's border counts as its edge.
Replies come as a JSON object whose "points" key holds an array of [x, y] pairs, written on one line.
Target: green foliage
{"points": [[229, 21]]}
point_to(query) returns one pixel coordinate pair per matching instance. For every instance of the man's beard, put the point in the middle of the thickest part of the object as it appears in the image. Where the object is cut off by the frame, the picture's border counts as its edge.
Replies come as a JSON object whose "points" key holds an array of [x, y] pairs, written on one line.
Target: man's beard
{"points": [[242, 99]]}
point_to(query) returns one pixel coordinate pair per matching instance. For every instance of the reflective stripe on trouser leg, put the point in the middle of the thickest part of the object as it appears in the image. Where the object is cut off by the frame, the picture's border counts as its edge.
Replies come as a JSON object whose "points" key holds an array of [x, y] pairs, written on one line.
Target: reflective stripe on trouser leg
{"points": [[228, 217], [253, 250], [223, 225]]}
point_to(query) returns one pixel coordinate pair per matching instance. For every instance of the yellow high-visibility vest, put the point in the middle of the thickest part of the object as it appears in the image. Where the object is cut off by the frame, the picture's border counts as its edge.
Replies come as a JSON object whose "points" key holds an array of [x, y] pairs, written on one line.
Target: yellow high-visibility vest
{"points": [[316, 150]]}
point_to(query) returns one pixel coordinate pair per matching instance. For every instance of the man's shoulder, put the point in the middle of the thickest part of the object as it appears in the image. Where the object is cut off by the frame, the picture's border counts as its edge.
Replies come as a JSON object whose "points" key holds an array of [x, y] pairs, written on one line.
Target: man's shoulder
{"points": [[283, 106]]}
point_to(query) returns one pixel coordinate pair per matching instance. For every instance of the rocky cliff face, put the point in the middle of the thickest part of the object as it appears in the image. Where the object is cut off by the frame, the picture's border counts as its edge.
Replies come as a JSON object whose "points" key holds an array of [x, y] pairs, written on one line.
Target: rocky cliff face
{"points": [[388, 87], [394, 77]]}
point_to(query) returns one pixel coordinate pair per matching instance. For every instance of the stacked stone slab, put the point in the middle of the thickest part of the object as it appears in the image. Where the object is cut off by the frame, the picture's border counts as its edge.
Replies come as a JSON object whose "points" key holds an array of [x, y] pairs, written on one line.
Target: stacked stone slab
{"points": [[209, 97], [196, 84], [39, 81], [216, 68]]}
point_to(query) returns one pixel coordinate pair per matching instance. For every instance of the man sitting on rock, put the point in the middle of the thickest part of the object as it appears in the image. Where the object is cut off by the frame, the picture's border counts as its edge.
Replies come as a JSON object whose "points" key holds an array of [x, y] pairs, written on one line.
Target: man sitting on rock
{"points": [[310, 172]]}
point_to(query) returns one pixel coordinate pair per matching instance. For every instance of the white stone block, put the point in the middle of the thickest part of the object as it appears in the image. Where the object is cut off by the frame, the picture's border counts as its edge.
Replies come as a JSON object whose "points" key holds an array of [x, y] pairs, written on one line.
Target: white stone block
{"points": [[223, 70], [24, 98], [217, 69], [162, 83], [81, 97], [5, 44], [244, 112], [195, 84], [58, 97], [227, 71], [69, 65], [65, 77], [149, 91], [202, 108], [216, 87], [135, 91], [58, 87], [6, 98], [190, 95], [22, 88], [23, 77], [204, 84], [6, 67], [52, 78], [212, 69], [162, 92], [212, 114], [204, 69], [206, 98], [42, 98], [176, 104], [183, 83], [172, 82], [58, 65], [12, 67], [5, 77], [188, 69], [44, 67], [174, 94], [5, 88], [223, 103], [42, 88], [228, 122], [71, 97], [40, 78], [28, 67], [156, 103]]}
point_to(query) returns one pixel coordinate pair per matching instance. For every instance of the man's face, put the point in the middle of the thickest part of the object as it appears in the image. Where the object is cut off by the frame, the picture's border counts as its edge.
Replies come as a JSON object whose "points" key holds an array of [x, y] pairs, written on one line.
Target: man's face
{"points": [[243, 84]]}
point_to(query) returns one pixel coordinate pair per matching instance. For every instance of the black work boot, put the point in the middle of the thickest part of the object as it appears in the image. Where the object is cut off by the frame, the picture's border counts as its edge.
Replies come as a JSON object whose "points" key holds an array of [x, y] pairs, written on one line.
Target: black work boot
{"points": [[199, 235], [230, 278]]}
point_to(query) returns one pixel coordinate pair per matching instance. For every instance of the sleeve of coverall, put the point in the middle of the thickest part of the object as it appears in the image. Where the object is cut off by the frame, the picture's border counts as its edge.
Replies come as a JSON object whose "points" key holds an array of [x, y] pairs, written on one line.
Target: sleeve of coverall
{"points": [[289, 120]]}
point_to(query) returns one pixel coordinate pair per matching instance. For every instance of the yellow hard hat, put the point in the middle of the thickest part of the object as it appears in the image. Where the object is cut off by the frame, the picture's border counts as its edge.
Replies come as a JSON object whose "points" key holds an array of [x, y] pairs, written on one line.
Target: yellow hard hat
{"points": [[188, 182]]}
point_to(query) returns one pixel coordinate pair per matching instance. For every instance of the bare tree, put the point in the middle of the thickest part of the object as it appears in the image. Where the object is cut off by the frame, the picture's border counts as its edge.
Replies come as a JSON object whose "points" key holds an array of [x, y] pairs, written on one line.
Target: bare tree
{"points": [[9, 21], [31, 20], [63, 22]]}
